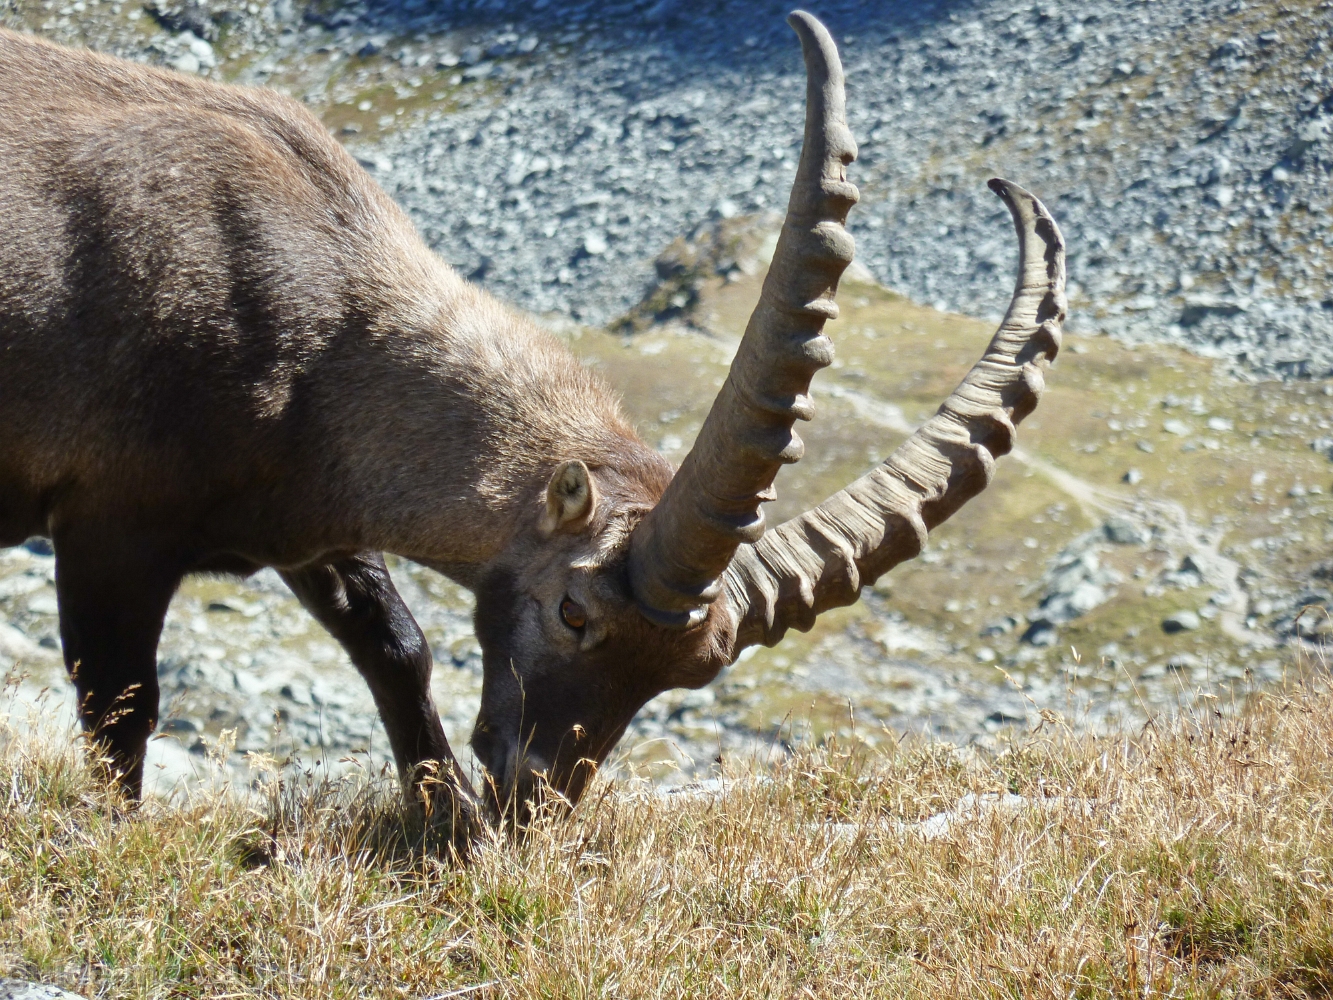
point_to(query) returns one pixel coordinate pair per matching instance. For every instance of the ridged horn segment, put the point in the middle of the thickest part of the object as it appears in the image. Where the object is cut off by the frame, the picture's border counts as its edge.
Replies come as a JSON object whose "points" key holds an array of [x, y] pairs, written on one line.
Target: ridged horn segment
{"points": [[823, 558], [681, 548]]}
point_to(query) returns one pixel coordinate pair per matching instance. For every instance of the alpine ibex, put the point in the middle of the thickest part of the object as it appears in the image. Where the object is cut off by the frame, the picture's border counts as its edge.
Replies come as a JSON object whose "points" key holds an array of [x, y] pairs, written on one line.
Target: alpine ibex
{"points": [[223, 347]]}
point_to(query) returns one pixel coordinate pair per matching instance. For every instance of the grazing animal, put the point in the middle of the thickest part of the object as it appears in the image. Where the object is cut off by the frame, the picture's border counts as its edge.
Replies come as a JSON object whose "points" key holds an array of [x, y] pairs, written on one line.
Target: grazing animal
{"points": [[223, 347]]}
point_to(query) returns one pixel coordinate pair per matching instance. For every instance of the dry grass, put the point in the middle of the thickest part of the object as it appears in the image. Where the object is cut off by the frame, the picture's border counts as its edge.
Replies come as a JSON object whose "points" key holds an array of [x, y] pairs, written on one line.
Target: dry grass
{"points": [[1192, 859]]}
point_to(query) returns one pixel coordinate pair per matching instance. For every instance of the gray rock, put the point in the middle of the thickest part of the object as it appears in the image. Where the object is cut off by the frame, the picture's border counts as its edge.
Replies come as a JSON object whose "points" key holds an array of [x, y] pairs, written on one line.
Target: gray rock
{"points": [[376, 164], [1122, 530], [186, 62], [1207, 567], [1040, 633], [190, 16], [18, 989], [1002, 627], [1201, 307], [595, 243], [15, 645], [1181, 621], [199, 48], [1075, 583]]}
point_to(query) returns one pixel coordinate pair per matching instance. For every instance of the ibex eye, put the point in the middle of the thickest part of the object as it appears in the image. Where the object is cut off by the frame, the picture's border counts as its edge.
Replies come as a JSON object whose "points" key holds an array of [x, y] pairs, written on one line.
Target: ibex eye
{"points": [[573, 614]]}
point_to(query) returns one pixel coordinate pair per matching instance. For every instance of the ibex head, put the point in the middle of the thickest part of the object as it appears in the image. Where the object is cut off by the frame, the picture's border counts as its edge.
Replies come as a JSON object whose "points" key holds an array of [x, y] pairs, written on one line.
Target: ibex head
{"points": [[629, 581], [569, 654]]}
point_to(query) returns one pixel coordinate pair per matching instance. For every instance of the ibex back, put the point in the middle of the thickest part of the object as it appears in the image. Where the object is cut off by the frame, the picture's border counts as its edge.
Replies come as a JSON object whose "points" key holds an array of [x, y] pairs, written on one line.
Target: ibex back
{"points": [[223, 347]]}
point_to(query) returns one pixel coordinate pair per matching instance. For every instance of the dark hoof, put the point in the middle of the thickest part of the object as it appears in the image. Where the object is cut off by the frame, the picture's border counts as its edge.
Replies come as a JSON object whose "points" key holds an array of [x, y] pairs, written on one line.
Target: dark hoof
{"points": [[448, 811]]}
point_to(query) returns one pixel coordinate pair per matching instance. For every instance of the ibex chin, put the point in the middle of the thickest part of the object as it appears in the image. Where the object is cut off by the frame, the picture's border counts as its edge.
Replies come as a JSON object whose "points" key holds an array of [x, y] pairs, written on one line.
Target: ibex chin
{"points": [[223, 347]]}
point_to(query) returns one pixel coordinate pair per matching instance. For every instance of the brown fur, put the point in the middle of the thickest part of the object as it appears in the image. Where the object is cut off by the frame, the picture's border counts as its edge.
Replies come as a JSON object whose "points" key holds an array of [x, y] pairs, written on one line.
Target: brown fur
{"points": [[203, 291], [222, 346]]}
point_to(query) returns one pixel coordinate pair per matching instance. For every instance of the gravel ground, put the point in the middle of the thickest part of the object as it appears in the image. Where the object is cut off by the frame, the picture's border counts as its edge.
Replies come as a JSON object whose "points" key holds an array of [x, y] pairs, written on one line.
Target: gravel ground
{"points": [[551, 150], [1183, 146]]}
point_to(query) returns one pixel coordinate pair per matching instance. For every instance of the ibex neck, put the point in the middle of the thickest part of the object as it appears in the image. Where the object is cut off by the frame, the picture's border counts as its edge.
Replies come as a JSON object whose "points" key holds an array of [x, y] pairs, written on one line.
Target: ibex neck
{"points": [[456, 414]]}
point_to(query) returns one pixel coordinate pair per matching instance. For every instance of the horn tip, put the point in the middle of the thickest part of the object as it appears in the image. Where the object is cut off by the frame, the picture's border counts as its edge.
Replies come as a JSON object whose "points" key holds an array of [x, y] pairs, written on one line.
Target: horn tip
{"points": [[1030, 213], [810, 29], [1007, 190]]}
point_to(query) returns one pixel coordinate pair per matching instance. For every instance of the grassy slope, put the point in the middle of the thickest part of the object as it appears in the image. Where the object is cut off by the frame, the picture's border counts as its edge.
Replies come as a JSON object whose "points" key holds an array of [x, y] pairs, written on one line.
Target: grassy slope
{"points": [[1191, 860]]}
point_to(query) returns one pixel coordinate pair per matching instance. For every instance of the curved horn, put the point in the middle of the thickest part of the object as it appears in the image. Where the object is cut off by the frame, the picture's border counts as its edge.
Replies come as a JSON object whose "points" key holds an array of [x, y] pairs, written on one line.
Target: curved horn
{"points": [[681, 548], [823, 558]]}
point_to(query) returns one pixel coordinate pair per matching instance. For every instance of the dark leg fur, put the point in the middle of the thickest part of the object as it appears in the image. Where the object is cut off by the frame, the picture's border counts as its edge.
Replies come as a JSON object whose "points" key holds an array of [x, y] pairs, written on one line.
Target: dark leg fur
{"points": [[113, 598], [356, 601]]}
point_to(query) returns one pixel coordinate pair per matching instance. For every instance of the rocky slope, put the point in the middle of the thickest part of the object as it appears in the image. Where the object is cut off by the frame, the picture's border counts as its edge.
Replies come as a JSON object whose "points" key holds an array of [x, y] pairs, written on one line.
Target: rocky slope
{"points": [[1182, 146], [551, 150]]}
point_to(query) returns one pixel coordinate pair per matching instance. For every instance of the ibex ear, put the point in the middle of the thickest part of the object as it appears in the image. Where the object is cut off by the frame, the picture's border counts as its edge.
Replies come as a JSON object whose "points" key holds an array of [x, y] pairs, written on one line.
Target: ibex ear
{"points": [[571, 498]]}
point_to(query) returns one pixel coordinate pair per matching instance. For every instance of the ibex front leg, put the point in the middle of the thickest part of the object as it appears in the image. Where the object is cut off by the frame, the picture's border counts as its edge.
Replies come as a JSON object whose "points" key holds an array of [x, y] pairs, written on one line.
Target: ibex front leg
{"points": [[355, 600]]}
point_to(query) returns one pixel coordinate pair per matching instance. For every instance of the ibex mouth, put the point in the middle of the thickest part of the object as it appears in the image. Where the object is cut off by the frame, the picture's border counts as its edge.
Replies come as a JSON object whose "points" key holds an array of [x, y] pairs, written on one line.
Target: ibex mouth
{"points": [[521, 789], [521, 786]]}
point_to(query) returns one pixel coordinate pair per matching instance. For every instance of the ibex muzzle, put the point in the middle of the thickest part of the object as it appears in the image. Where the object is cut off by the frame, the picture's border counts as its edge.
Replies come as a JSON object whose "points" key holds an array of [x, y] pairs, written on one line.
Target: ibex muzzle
{"points": [[223, 347]]}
